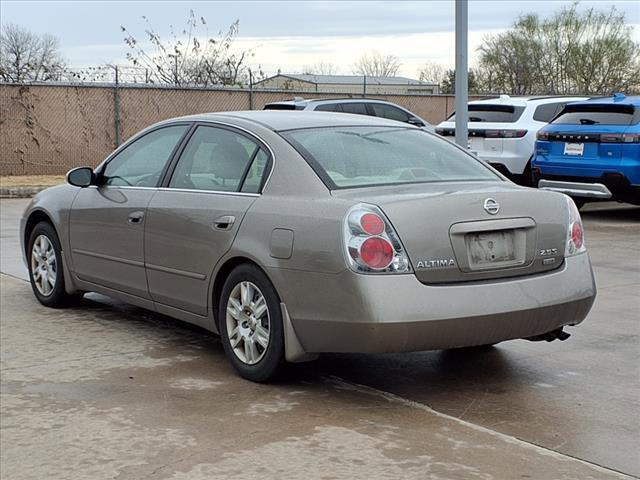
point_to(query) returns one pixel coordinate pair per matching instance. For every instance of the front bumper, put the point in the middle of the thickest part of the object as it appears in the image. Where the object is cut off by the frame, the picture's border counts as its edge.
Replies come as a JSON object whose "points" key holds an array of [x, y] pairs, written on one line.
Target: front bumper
{"points": [[350, 312]]}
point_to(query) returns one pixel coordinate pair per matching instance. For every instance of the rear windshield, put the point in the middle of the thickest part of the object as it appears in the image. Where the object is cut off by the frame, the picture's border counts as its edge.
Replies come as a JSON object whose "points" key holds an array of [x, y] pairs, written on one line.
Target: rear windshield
{"points": [[492, 113], [282, 106], [346, 157], [604, 114]]}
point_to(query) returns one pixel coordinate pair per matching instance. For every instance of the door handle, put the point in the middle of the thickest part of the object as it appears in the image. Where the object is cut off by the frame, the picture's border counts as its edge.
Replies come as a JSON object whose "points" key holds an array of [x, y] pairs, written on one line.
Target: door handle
{"points": [[135, 217], [225, 222]]}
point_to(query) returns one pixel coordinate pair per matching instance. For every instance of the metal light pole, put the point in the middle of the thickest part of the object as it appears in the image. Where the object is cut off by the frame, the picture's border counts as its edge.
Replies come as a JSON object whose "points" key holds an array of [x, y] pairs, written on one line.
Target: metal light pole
{"points": [[462, 87]]}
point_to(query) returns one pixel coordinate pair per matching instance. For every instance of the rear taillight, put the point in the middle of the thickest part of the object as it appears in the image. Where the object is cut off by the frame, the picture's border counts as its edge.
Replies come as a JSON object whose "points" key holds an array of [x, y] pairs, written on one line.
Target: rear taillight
{"points": [[575, 232], [371, 243], [544, 136], [619, 138], [505, 133]]}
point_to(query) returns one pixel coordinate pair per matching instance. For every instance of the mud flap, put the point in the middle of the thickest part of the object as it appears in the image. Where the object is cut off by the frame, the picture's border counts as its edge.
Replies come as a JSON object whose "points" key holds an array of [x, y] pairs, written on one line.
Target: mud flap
{"points": [[293, 350]]}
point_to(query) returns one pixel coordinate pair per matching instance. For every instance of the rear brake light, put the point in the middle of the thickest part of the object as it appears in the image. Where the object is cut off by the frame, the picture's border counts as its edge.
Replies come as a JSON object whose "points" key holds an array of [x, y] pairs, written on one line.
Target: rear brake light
{"points": [[371, 243], [505, 133], [575, 232], [619, 138], [371, 224], [376, 253], [544, 136]]}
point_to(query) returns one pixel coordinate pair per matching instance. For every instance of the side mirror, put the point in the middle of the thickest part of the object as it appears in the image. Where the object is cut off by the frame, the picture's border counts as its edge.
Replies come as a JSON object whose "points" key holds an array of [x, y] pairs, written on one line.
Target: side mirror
{"points": [[415, 121], [81, 177]]}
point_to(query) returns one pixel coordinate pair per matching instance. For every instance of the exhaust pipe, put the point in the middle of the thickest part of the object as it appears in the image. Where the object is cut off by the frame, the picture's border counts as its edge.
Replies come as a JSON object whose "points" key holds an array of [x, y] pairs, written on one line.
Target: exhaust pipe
{"points": [[558, 334]]}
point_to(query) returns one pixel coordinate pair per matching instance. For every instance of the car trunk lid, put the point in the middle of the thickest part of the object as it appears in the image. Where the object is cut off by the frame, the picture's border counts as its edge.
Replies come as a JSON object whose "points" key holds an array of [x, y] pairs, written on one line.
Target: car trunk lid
{"points": [[451, 233]]}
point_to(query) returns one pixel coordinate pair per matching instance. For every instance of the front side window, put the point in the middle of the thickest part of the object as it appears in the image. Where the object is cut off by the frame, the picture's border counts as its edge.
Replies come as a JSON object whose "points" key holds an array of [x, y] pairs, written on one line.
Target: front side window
{"points": [[346, 157], [387, 111], [594, 114], [141, 163], [217, 159]]}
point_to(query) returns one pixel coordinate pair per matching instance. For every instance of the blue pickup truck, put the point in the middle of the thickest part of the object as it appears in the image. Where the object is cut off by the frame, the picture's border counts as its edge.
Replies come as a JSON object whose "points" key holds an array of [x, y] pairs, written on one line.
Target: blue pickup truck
{"points": [[591, 151]]}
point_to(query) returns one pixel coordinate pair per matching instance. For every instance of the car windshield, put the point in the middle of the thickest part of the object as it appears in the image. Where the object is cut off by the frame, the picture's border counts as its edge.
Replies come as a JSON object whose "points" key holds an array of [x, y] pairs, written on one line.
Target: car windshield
{"points": [[492, 113], [595, 114], [346, 157]]}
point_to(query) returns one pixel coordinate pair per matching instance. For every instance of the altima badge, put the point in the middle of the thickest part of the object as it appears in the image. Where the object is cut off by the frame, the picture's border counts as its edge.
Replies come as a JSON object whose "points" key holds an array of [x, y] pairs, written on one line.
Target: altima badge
{"points": [[440, 263], [491, 206]]}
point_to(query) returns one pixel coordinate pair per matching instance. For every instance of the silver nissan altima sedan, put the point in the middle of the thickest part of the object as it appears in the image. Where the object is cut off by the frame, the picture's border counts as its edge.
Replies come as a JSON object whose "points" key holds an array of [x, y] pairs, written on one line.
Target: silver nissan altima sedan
{"points": [[293, 233]]}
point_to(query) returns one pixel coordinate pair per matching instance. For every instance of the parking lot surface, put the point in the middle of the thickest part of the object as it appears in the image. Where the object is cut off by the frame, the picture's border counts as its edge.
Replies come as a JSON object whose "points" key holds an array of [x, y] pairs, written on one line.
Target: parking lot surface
{"points": [[105, 390]]}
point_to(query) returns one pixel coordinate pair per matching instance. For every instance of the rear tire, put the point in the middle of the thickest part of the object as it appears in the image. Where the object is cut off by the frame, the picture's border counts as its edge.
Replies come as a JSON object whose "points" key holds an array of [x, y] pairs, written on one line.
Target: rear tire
{"points": [[250, 324], [46, 271]]}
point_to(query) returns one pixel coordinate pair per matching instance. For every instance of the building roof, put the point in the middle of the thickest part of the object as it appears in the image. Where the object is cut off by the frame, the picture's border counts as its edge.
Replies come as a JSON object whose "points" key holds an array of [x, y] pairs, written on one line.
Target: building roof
{"points": [[348, 79]]}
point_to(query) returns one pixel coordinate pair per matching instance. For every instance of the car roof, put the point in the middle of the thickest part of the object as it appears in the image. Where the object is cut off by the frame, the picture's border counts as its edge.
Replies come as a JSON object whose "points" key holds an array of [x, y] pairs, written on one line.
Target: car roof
{"points": [[305, 101], [279, 120], [617, 99], [524, 101]]}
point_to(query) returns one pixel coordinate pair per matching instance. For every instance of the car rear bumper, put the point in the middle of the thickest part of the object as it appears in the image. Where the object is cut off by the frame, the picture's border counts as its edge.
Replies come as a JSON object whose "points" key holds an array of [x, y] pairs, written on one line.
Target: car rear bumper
{"points": [[349, 312], [609, 186]]}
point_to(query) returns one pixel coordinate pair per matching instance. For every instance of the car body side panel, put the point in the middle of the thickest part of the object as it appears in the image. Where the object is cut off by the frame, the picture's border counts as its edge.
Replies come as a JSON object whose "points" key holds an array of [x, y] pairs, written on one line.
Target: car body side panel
{"points": [[55, 202], [182, 243], [106, 246]]}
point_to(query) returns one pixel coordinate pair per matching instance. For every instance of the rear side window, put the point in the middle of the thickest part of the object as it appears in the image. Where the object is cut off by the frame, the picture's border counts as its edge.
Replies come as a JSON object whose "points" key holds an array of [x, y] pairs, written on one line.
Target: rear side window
{"points": [[594, 114], [492, 113], [328, 107], [544, 113], [215, 159], [387, 111], [357, 108]]}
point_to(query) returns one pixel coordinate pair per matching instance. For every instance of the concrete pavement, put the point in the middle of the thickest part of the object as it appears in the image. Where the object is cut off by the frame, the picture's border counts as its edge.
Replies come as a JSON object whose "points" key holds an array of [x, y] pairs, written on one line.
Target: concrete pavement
{"points": [[105, 390]]}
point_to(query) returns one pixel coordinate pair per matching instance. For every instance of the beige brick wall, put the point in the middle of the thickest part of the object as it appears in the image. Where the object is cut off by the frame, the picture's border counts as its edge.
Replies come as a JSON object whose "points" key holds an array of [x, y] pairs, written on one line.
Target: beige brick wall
{"points": [[47, 129]]}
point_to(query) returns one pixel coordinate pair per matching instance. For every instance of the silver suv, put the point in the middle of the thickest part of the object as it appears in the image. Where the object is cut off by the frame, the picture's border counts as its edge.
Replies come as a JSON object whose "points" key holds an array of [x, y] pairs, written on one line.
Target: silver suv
{"points": [[359, 106]]}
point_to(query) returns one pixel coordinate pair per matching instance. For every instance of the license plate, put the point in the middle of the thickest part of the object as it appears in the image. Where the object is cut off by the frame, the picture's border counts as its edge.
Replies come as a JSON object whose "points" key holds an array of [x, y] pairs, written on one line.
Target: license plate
{"points": [[491, 247], [573, 148]]}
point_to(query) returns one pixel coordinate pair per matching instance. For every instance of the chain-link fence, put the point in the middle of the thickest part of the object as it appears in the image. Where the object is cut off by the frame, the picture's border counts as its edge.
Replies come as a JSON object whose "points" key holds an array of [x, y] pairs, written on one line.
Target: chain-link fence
{"points": [[48, 129]]}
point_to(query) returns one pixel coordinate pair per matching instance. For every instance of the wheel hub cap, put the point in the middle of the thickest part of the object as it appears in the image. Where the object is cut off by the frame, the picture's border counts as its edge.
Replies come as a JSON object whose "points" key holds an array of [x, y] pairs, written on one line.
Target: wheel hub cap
{"points": [[43, 265], [248, 325]]}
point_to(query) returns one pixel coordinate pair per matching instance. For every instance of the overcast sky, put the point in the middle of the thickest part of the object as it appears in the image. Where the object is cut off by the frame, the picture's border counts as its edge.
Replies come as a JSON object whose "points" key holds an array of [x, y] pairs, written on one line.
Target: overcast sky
{"points": [[288, 35]]}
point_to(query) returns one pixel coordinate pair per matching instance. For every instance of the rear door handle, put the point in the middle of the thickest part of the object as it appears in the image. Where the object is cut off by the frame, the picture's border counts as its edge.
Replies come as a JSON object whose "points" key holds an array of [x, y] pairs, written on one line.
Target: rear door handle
{"points": [[225, 222], [135, 217]]}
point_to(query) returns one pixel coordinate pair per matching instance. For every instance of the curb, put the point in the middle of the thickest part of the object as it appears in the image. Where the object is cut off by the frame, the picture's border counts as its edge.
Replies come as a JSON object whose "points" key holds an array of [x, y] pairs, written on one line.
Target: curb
{"points": [[21, 192]]}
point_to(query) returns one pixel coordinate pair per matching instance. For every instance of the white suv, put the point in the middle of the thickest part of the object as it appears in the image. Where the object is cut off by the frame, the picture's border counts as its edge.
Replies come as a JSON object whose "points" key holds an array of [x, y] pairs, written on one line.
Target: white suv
{"points": [[358, 106], [502, 131]]}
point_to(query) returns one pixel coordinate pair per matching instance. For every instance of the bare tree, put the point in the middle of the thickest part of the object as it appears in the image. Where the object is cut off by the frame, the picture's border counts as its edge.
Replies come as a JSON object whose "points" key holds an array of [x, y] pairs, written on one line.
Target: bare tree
{"points": [[320, 68], [376, 64], [28, 57], [189, 59], [432, 73], [572, 52]]}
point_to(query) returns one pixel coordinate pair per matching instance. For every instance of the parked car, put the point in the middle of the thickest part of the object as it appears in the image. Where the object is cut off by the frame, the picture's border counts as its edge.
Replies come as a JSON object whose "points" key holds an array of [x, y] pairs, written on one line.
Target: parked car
{"points": [[591, 151], [360, 106], [502, 131], [292, 234]]}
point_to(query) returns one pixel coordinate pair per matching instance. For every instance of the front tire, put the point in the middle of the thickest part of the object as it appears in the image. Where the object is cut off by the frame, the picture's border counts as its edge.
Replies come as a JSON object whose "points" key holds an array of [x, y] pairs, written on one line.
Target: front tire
{"points": [[46, 272], [250, 324]]}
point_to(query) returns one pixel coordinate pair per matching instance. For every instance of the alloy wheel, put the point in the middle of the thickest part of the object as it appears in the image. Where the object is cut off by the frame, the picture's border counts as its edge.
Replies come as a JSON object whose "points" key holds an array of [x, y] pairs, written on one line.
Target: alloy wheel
{"points": [[248, 323], [43, 265]]}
